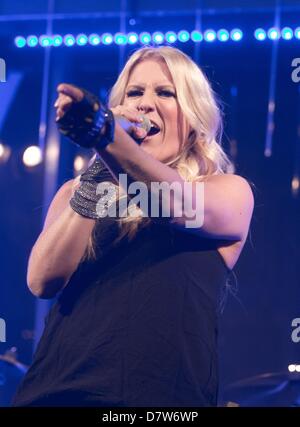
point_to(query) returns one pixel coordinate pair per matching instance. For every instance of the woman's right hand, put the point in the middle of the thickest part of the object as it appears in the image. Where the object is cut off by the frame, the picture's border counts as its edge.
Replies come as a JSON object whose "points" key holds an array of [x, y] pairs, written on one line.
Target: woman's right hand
{"points": [[67, 95]]}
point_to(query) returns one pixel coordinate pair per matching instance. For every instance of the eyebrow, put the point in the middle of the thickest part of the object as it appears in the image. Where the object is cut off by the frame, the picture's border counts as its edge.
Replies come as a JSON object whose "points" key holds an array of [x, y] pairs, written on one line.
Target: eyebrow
{"points": [[159, 86]]}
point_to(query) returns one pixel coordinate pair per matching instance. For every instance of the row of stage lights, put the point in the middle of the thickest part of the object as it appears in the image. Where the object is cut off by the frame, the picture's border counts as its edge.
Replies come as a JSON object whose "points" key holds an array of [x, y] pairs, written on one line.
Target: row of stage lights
{"points": [[157, 37], [32, 157]]}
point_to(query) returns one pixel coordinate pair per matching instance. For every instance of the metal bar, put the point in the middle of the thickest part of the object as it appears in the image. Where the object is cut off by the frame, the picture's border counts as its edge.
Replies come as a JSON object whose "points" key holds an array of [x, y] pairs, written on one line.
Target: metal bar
{"points": [[145, 13]]}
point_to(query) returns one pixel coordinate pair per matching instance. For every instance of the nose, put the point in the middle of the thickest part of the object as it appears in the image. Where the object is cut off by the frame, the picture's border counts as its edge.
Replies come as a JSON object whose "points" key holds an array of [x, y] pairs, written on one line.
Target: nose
{"points": [[146, 103]]}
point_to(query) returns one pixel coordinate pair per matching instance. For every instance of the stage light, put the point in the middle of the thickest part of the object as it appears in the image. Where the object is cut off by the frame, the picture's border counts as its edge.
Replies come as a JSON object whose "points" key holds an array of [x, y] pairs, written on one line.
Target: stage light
{"points": [[69, 40], [81, 39], [196, 36], [20, 41], [223, 35], [297, 368], [107, 38], [210, 35], [4, 153], [79, 163], [158, 37], [297, 33], [57, 40], [94, 39], [287, 33], [171, 37], [236, 35], [292, 368], [32, 41], [145, 38], [32, 156], [260, 34], [183, 36], [274, 34], [132, 38], [45, 41], [120, 39]]}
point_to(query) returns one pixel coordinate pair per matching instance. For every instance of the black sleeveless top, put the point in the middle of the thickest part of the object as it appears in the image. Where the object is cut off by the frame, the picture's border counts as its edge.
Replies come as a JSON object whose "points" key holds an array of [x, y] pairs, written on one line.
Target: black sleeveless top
{"points": [[135, 327]]}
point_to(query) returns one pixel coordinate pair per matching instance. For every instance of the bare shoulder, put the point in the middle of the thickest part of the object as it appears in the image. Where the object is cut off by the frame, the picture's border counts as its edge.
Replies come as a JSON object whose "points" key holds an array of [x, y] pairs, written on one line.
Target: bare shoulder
{"points": [[60, 201], [234, 186]]}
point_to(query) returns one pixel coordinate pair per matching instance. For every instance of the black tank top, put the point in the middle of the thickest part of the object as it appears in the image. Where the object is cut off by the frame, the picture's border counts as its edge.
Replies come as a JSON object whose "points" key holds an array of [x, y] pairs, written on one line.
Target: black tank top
{"points": [[135, 327]]}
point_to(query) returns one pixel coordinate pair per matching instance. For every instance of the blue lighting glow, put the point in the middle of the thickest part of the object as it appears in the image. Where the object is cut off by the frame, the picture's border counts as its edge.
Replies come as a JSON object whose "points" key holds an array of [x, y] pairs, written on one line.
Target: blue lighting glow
{"points": [[297, 33], [145, 38], [287, 33], [210, 35], [57, 40], [45, 41], [69, 40], [223, 35], [158, 37], [120, 38], [132, 38], [32, 41], [20, 41], [196, 36], [274, 34], [260, 34], [183, 36], [81, 39], [171, 37], [94, 39], [236, 35], [107, 38]]}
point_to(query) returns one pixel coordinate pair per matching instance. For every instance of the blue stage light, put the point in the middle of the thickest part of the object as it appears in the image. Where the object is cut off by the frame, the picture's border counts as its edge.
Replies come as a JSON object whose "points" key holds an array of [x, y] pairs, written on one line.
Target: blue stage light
{"points": [[158, 37], [196, 36], [171, 37], [94, 39], [274, 34], [107, 38], [69, 40], [297, 33], [287, 33], [210, 35], [145, 38], [260, 34], [81, 39], [132, 38], [45, 41], [32, 41], [57, 40], [183, 36], [223, 35], [236, 35], [20, 41], [120, 38]]}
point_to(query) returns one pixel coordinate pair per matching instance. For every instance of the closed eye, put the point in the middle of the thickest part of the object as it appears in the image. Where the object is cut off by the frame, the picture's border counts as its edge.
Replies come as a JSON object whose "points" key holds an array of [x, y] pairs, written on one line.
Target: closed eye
{"points": [[167, 93], [135, 92]]}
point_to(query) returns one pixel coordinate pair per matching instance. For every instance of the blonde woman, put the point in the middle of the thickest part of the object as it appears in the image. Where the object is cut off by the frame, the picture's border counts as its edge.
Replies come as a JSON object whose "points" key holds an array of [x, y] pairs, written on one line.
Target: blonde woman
{"points": [[135, 323]]}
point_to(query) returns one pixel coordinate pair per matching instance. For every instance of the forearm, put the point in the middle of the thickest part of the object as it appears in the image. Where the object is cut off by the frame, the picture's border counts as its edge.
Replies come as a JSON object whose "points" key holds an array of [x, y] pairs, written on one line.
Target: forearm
{"points": [[57, 253], [125, 156]]}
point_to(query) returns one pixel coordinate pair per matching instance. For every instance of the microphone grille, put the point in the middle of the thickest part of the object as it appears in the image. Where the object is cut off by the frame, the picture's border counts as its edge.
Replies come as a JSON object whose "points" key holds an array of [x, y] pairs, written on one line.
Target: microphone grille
{"points": [[145, 124]]}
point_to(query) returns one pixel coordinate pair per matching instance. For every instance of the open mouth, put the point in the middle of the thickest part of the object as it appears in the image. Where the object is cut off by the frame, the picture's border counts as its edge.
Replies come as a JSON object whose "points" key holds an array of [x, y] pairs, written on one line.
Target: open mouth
{"points": [[155, 129]]}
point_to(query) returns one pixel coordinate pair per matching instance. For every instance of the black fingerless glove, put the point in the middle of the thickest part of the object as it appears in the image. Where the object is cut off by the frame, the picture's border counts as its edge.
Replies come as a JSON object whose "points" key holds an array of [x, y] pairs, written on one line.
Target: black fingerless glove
{"points": [[85, 198], [88, 123]]}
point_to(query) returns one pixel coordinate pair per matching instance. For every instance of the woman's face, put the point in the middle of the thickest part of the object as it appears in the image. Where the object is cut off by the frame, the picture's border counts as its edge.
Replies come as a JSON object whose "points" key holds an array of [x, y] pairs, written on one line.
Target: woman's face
{"points": [[151, 91]]}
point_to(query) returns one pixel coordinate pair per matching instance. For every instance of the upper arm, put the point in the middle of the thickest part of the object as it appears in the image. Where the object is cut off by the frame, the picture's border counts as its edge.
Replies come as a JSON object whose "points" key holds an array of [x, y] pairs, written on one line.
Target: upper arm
{"points": [[228, 207], [59, 202]]}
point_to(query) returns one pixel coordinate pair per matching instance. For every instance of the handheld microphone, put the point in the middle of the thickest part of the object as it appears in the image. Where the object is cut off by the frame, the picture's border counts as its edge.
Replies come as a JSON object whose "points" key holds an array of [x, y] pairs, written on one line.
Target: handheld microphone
{"points": [[127, 125]]}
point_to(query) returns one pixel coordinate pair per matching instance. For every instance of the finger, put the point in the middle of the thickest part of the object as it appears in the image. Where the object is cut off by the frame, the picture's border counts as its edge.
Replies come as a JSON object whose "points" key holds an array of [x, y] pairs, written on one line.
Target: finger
{"points": [[139, 132], [74, 92], [63, 99], [131, 115]]}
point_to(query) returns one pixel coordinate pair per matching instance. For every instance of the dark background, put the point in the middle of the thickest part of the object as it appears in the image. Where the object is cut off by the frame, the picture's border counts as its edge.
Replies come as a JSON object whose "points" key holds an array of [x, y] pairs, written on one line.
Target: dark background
{"points": [[255, 336]]}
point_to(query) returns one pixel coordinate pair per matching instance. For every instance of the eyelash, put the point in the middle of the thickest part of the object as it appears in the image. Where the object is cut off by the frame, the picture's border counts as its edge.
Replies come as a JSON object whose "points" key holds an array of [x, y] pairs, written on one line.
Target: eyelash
{"points": [[166, 93]]}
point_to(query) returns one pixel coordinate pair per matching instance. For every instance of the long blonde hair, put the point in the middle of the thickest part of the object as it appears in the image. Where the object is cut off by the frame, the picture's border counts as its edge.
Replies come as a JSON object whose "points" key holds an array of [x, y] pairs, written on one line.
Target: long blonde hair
{"points": [[202, 154]]}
